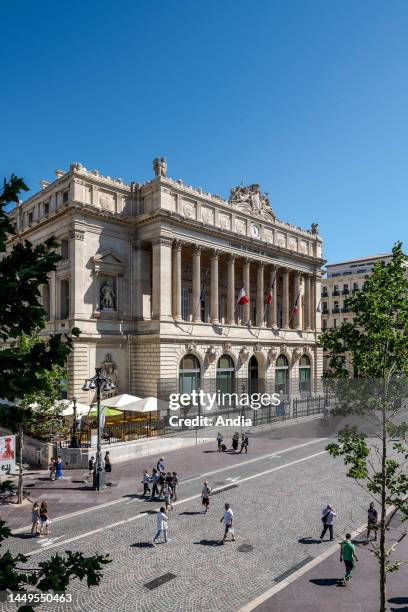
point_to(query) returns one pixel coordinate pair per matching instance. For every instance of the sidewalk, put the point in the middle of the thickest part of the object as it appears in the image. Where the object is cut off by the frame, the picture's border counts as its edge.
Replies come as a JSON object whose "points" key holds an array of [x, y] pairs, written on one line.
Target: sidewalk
{"points": [[317, 590]]}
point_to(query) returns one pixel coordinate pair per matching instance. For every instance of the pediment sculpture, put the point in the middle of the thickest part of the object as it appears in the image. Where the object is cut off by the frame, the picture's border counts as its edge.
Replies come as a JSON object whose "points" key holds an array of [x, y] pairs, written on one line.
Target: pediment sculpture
{"points": [[251, 199]]}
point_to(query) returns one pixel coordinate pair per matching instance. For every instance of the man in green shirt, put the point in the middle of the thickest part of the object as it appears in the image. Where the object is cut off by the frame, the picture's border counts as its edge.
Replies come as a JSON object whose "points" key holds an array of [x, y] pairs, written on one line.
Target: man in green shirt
{"points": [[348, 555]]}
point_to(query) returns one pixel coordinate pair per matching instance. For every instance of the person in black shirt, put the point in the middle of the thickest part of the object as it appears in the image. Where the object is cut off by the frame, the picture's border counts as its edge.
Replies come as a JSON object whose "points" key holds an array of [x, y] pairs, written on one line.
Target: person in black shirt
{"points": [[372, 518]]}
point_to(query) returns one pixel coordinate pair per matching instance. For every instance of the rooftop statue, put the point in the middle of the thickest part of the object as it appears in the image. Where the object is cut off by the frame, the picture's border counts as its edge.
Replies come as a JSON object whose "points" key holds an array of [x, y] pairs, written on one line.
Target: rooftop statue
{"points": [[160, 166], [252, 199]]}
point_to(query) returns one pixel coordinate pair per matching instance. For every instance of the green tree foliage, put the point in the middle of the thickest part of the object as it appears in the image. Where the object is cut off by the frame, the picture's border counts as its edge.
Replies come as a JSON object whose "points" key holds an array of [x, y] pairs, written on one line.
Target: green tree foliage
{"points": [[376, 341], [23, 269]]}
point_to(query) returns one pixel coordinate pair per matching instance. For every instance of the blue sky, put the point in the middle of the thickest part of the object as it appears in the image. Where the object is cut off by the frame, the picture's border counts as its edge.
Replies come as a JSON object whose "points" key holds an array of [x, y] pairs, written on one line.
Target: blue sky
{"points": [[309, 98]]}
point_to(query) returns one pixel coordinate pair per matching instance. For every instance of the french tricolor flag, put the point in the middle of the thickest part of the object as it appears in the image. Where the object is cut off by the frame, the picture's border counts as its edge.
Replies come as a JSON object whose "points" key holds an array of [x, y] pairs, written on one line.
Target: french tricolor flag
{"points": [[295, 308], [242, 297], [268, 297]]}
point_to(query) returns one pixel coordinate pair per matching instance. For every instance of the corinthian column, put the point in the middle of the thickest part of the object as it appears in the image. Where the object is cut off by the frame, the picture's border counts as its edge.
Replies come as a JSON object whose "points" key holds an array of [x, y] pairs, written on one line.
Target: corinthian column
{"points": [[260, 294], [273, 307], [231, 289], [307, 308], [214, 286], [285, 300], [246, 279], [196, 283], [296, 316], [176, 269]]}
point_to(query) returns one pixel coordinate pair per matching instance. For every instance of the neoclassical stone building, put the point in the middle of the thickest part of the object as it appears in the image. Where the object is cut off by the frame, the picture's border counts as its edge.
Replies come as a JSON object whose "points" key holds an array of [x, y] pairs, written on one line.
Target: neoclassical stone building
{"points": [[151, 275]]}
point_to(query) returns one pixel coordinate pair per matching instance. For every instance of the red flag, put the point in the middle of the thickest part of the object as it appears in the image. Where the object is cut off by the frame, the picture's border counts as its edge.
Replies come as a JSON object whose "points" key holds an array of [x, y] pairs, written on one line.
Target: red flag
{"points": [[268, 297], [295, 306], [242, 297]]}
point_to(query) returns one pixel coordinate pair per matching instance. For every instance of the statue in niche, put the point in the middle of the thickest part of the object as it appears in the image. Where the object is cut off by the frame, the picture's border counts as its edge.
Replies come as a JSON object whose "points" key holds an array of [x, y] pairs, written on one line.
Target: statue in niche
{"points": [[160, 166], [110, 371], [108, 297]]}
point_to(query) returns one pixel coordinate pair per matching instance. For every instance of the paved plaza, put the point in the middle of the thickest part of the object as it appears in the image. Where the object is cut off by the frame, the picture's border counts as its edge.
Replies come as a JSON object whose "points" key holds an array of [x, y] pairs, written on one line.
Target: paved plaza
{"points": [[277, 493]]}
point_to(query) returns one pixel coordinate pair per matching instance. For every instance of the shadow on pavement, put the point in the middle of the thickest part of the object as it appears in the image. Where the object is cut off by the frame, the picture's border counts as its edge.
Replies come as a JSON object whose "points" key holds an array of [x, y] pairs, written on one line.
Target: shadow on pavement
{"points": [[325, 581], [24, 536], [142, 545], [186, 513], [308, 541], [210, 543]]}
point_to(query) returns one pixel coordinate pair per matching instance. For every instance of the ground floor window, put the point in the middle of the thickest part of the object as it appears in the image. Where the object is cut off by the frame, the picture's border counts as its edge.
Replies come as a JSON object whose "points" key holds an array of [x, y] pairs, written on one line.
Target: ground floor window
{"points": [[304, 374], [189, 374], [282, 375]]}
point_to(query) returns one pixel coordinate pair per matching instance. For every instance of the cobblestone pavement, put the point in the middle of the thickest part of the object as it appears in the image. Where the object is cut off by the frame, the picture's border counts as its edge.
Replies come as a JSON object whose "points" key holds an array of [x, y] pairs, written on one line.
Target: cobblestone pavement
{"points": [[74, 492], [277, 501]]}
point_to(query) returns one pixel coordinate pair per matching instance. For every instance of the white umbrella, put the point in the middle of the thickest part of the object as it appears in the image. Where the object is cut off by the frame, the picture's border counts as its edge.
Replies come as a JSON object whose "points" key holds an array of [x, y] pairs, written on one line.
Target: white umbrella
{"points": [[121, 402], [148, 404], [68, 408]]}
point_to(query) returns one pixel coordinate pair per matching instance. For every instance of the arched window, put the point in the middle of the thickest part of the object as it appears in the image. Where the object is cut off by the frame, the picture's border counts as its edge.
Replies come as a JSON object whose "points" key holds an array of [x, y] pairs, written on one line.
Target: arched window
{"points": [[282, 375], [304, 374], [189, 374], [253, 375], [226, 378]]}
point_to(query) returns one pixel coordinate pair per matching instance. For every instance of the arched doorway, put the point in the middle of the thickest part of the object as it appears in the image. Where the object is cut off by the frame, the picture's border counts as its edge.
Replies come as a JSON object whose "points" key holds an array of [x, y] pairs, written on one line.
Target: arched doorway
{"points": [[304, 375], [225, 379], [189, 374], [282, 375], [253, 373]]}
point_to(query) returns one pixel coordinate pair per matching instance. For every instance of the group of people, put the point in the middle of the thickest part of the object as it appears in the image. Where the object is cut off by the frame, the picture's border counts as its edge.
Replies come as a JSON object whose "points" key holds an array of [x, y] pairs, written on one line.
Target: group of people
{"points": [[40, 519], [55, 468], [347, 548], [106, 462], [222, 447], [162, 519], [164, 484]]}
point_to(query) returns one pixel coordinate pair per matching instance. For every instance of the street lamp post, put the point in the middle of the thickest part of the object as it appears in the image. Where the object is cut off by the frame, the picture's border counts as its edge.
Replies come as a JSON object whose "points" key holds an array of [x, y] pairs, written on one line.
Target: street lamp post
{"points": [[74, 438], [98, 382]]}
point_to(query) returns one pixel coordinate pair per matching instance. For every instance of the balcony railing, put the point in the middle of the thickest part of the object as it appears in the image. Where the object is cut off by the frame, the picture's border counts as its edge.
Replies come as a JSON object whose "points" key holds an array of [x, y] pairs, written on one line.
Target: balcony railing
{"points": [[336, 293], [336, 310], [345, 309], [325, 294], [345, 292]]}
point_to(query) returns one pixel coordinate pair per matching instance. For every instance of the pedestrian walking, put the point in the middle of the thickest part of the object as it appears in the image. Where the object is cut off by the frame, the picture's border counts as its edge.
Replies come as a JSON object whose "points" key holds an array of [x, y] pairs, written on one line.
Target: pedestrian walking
{"points": [[174, 484], [91, 465], [44, 518], [205, 496], [108, 465], [327, 519], [160, 465], [244, 443], [161, 522], [52, 469], [167, 496], [58, 469], [161, 481], [146, 481], [228, 519], [235, 441], [35, 518], [168, 478], [348, 555], [154, 480], [220, 440], [372, 519]]}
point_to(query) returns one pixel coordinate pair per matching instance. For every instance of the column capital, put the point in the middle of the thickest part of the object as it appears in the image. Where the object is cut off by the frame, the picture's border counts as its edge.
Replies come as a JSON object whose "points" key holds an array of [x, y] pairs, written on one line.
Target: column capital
{"points": [[231, 257], [76, 234], [177, 245], [196, 249], [214, 253], [260, 265]]}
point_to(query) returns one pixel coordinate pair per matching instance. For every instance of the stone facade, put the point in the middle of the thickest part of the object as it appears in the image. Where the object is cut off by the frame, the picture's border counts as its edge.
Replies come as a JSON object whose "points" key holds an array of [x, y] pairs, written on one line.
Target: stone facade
{"points": [[151, 272]]}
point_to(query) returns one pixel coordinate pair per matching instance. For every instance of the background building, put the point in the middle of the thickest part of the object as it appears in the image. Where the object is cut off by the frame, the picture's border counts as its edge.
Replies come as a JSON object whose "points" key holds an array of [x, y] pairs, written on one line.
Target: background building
{"points": [[343, 279], [151, 274]]}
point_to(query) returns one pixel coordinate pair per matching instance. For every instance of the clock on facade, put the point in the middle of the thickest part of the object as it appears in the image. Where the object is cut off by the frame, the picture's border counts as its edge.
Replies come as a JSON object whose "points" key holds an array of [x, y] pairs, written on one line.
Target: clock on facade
{"points": [[255, 231]]}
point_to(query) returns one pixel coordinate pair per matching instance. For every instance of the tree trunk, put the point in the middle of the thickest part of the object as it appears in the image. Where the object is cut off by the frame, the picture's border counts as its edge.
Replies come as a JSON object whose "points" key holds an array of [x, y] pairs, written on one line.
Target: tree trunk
{"points": [[383, 575], [20, 475]]}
